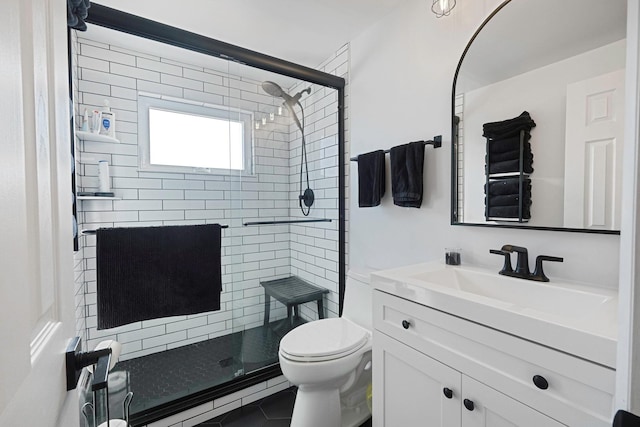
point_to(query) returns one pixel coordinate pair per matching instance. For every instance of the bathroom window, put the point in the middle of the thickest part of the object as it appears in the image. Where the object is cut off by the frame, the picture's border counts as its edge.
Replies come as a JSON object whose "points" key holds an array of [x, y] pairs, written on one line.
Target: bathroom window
{"points": [[180, 136]]}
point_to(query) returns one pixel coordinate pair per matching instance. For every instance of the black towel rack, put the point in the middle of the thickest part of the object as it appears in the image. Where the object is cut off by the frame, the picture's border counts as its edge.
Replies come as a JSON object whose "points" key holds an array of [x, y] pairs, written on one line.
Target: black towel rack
{"points": [[436, 142], [91, 232]]}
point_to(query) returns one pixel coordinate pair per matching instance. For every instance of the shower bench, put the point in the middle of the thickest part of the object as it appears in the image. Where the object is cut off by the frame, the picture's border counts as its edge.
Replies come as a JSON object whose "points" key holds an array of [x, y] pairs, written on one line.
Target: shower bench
{"points": [[292, 291]]}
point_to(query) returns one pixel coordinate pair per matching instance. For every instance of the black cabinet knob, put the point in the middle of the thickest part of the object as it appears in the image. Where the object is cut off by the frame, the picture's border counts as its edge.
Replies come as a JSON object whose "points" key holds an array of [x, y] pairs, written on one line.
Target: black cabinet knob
{"points": [[540, 382], [468, 404], [447, 392], [406, 324]]}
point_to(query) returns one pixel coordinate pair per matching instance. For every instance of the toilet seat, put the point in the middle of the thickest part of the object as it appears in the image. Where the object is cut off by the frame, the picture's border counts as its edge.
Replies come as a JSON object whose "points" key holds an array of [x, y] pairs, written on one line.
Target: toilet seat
{"points": [[323, 340]]}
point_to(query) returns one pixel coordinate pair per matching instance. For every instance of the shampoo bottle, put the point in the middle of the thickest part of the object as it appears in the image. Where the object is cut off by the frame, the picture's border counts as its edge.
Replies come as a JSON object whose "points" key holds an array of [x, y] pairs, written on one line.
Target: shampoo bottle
{"points": [[108, 122]]}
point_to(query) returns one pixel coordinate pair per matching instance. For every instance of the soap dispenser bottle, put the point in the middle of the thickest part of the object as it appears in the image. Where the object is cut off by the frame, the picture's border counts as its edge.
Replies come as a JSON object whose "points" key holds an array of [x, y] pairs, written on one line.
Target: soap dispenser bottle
{"points": [[108, 122]]}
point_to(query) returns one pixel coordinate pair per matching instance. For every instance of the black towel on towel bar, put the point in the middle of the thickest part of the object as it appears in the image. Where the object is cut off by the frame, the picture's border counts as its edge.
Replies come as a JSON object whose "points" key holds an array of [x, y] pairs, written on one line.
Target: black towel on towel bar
{"points": [[407, 163], [151, 272], [371, 181]]}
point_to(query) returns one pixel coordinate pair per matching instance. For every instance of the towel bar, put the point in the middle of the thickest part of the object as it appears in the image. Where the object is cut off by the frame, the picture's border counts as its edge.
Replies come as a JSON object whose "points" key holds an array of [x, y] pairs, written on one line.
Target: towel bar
{"points": [[91, 232], [436, 142]]}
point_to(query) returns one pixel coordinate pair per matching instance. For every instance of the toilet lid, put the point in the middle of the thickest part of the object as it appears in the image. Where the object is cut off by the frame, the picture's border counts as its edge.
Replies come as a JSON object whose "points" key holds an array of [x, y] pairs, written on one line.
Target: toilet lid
{"points": [[324, 339]]}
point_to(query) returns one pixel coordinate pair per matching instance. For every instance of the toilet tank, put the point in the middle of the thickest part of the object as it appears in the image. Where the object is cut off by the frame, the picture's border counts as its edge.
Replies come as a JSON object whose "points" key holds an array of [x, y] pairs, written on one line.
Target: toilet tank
{"points": [[357, 299]]}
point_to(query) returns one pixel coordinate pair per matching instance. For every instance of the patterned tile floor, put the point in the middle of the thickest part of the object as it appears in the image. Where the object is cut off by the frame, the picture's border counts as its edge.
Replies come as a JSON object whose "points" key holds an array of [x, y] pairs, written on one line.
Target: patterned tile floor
{"points": [[272, 411], [160, 378]]}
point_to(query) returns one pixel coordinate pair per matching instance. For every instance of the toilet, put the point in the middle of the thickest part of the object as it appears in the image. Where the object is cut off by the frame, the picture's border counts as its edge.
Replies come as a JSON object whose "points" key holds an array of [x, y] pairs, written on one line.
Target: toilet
{"points": [[330, 362]]}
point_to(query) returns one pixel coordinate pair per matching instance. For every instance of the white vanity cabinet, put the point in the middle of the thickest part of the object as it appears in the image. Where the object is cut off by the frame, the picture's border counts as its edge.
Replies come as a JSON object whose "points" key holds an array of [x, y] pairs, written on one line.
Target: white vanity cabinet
{"points": [[409, 387], [420, 353], [494, 409]]}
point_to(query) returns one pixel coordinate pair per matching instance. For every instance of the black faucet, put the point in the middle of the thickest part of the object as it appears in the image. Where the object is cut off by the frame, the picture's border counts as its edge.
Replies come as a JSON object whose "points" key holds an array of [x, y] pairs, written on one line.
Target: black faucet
{"points": [[538, 273], [522, 264]]}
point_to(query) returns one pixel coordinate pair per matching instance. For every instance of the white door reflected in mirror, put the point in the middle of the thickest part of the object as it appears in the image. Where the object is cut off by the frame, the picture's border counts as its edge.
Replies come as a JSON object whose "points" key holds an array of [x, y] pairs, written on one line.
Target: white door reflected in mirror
{"points": [[593, 152]]}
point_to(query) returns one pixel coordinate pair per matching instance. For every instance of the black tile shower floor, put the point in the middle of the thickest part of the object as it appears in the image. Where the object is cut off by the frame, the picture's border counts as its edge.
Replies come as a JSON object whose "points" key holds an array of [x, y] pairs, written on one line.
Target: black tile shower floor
{"points": [[160, 378], [272, 411]]}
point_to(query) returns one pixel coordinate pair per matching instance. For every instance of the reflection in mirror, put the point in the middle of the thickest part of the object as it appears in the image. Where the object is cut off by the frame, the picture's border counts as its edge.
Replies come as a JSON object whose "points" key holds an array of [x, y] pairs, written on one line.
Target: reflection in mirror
{"points": [[566, 69]]}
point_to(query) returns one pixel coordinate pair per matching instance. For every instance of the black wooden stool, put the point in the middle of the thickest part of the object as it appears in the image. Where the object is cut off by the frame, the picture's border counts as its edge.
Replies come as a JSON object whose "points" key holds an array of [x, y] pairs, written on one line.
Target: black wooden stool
{"points": [[292, 291]]}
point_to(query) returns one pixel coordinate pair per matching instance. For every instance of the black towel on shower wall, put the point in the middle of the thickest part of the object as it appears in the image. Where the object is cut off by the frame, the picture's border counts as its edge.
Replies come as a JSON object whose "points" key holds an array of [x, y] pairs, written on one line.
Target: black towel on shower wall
{"points": [[151, 272], [407, 162], [371, 181]]}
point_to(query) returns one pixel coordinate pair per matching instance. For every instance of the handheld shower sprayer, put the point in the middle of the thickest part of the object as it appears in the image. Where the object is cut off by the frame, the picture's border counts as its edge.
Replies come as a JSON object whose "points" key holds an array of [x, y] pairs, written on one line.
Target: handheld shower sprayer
{"points": [[296, 98], [306, 197]]}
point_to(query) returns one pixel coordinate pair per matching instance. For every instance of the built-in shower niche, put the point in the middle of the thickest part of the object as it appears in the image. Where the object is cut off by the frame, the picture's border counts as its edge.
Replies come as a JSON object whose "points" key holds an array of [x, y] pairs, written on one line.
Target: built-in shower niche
{"points": [[268, 236]]}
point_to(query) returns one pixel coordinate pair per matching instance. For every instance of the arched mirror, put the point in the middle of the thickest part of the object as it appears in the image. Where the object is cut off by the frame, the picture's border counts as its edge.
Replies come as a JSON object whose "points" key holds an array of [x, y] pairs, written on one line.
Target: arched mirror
{"points": [[538, 117]]}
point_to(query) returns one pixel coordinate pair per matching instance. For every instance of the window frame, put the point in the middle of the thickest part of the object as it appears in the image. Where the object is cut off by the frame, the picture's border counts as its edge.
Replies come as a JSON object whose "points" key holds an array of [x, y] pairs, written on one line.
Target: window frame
{"points": [[179, 105]]}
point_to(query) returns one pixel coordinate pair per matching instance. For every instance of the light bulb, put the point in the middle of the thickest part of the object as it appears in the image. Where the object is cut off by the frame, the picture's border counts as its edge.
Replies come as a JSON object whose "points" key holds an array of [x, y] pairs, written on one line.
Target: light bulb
{"points": [[280, 110], [264, 120], [257, 125], [442, 7], [272, 116]]}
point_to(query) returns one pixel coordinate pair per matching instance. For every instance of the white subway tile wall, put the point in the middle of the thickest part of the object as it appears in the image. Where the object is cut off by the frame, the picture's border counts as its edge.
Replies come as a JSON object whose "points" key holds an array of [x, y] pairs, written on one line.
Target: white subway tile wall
{"points": [[249, 254], [79, 265], [314, 247], [459, 111]]}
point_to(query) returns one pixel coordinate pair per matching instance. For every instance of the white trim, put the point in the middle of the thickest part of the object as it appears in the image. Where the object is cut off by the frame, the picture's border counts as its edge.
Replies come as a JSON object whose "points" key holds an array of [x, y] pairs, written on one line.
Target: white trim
{"points": [[42, 338], [627, 377]]}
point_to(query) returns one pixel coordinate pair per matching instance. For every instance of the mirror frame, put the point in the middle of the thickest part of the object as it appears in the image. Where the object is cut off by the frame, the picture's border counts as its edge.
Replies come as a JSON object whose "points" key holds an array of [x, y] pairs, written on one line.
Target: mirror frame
{"points": [[454, 153]]}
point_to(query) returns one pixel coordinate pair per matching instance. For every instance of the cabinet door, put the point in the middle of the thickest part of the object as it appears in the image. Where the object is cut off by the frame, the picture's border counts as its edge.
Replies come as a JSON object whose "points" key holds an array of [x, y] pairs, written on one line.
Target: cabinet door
{"points": [[494, 409], [408, 387]]}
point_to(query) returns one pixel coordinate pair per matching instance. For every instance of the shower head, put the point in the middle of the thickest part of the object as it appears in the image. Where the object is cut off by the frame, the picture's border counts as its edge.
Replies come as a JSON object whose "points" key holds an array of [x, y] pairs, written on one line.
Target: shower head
{"points": [[306, 197], [274, 89]]}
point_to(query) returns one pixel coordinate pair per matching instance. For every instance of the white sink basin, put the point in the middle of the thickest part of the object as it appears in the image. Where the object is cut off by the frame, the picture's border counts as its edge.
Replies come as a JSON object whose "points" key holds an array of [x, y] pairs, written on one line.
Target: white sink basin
{"points": [[575, 318], [527, 294]]}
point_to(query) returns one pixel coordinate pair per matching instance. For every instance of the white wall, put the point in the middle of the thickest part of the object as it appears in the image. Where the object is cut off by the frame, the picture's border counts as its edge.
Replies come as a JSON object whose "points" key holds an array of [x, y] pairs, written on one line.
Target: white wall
{"points": [[541, 92], [400, 90]]}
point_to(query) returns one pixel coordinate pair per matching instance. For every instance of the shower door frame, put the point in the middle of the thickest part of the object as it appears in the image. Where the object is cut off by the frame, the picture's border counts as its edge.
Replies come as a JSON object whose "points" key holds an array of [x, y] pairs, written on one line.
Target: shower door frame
{"points": [[136, 25]]}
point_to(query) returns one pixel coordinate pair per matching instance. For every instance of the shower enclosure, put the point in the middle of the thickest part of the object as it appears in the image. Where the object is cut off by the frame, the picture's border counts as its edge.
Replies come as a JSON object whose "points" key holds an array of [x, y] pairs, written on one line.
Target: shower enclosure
{"points": [[270, 170]]}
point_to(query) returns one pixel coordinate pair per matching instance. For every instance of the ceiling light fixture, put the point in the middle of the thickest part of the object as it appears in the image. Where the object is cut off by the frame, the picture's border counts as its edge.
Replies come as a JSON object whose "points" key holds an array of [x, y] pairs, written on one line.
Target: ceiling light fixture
{"points": [[442, 7]]}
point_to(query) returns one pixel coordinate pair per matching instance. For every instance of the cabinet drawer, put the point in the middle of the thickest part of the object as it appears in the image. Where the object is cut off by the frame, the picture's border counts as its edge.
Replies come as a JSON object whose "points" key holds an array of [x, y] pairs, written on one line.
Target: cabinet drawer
{"points": [[579, 393]]}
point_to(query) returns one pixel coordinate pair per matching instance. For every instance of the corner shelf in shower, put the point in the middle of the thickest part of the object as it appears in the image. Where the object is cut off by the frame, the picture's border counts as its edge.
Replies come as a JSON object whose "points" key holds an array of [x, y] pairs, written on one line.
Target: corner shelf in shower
{"points": [[90, 136], [287, 221]]}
